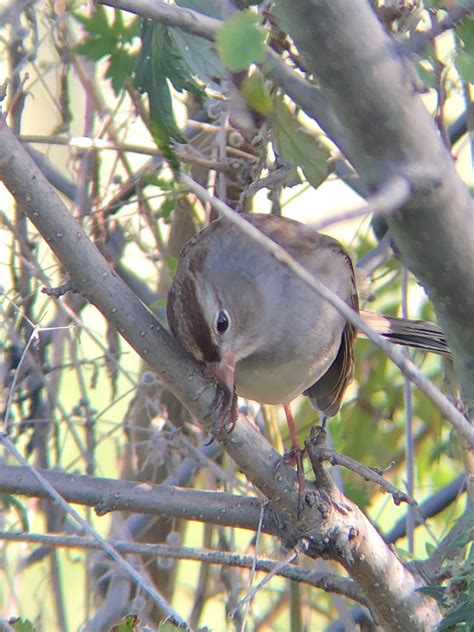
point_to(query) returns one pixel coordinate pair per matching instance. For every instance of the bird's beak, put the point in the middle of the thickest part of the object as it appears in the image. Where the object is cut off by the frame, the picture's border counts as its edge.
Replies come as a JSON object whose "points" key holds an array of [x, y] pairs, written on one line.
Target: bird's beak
{"points": [[224, 370]]}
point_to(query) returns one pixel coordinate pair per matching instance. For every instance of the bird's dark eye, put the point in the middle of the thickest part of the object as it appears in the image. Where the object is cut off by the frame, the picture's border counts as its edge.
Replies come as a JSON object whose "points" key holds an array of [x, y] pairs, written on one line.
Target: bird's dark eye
{"points": [[222, 321]]}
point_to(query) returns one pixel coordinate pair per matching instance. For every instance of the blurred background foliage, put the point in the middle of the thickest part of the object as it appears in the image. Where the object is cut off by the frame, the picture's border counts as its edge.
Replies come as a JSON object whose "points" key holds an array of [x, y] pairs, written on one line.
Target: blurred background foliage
{"points": [[109, 104]]}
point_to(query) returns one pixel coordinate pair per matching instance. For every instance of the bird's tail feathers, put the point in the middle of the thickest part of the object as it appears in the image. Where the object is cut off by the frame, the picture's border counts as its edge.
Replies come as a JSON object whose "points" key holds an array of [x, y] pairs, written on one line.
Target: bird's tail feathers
{"points": [[420, 334]]}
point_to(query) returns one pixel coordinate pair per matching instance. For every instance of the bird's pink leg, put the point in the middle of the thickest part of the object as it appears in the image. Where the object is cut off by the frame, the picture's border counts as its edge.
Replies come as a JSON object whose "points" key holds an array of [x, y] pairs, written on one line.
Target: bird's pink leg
{"points": [[296, 453]]}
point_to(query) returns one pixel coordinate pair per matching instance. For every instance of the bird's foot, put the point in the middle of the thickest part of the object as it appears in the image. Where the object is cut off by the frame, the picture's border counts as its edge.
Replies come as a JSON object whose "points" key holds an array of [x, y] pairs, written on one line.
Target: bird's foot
{"points": [[295, 457], [225, 405]]}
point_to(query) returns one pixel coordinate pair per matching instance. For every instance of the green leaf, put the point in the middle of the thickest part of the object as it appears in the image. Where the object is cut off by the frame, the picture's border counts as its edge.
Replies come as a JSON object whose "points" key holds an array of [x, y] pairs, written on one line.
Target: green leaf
{"points": [[199, 53], [158, 63], [465, 32], [132, 30], [298, 147], [464, 58], [129, 623], [167, 208], [200, 56], [109, 40], [173, 65], [465, 65], [161, 111], [241, 41], [256, 94], [21, 625], [437, 592], [464, 613], [430, 549], [120, 68], [157, 181], [426, 74], [97, 23], [172, 264], [95, 48]]}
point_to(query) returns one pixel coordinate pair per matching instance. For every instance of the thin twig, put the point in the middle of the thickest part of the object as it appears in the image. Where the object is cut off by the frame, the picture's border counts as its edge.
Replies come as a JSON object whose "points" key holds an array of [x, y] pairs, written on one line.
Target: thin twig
{"points": [[327, 581], [390, 198], [409, 442], [255, 560], [418, 42], [98, 144], [367, 473], [286, 561]]}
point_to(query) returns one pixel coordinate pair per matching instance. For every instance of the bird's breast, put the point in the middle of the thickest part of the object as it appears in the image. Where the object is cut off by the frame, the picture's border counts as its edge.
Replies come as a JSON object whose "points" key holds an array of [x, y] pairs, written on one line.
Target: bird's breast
{"points": [[269, 379]]}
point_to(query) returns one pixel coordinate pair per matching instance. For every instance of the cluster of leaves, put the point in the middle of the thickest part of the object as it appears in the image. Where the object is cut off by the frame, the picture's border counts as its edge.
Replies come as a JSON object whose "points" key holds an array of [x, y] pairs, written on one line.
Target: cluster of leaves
{"points": [[168, 56], [456, 598], [159, 63], [112, 40]]}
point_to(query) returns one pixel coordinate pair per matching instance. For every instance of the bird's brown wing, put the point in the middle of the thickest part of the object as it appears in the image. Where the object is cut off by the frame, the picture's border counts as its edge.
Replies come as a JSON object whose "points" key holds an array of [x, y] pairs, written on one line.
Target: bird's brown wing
{"points": [[328, 392]]}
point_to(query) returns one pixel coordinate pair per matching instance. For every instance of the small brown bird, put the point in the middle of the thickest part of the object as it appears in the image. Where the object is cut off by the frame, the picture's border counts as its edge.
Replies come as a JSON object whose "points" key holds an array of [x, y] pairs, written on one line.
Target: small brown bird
{"points": [[261, 329]]}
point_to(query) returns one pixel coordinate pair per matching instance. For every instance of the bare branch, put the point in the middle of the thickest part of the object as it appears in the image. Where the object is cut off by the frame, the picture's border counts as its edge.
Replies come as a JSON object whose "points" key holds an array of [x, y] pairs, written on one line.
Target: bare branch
{"points": [[107, 495], [367, 473], [328, 582]]}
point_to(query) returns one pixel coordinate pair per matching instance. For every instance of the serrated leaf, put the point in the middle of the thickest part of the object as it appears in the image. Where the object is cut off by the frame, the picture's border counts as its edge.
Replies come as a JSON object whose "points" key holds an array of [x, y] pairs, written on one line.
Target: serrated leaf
{"points": [[95, 48], [120, 68], [97, 23], [161, 111], [241, 41], [156, 64], [173, 65], [298, 147], [198, 52], [200, 56], [143, 70], [107, 40]]}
